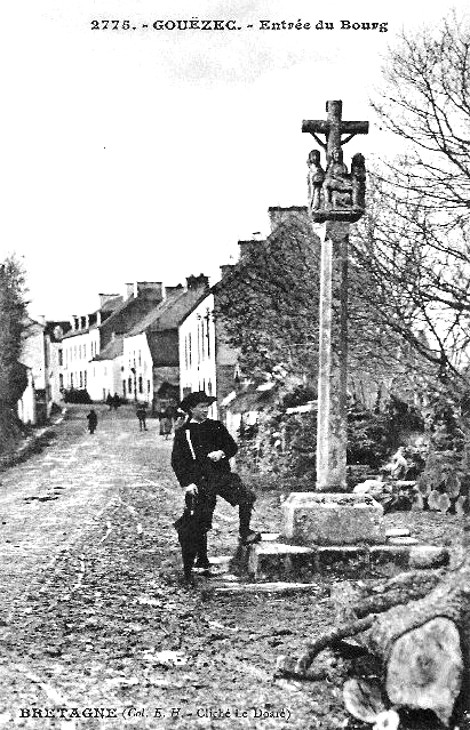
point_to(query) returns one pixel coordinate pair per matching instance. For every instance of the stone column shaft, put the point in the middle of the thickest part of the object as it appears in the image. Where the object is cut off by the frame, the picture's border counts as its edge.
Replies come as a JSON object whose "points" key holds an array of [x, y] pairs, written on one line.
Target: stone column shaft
{"points": [[332, 376]]}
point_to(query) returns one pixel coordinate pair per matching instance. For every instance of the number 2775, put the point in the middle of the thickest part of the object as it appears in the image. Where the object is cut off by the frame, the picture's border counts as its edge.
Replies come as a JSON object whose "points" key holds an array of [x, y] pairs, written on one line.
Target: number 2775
{"points": [[110, 25]]}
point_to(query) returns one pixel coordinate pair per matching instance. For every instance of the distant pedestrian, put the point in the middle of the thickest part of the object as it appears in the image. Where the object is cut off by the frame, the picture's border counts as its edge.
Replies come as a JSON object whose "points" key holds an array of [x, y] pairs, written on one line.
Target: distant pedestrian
{"points": [[141, 414], [109, 401], [92, 421], [166, 422], [116, 401]]}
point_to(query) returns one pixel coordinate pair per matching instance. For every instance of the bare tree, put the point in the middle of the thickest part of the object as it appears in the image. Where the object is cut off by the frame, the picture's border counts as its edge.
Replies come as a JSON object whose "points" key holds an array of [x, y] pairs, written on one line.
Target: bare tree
{"points": [[415, 241], [425, 101]]}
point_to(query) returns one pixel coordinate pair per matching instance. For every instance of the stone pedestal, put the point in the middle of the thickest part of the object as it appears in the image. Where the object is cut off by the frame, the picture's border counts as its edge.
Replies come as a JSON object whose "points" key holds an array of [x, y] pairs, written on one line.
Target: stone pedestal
{"points": [[312, 518]]}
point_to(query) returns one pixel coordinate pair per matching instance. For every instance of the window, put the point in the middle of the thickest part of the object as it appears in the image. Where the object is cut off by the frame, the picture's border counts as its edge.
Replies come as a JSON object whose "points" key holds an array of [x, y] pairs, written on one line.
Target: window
{"points": [[141, 384], [61, 357], [124, 388], [148, 386], [85, 378], [129, 385], [81, 379]]}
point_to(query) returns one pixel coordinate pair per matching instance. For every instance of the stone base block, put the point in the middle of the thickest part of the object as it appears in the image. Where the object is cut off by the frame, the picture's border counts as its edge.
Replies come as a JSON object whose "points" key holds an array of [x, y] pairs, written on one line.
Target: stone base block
{"points": [[345, 560], [275, 561], [278, 561], [383, 555], [316, 518], [428, 556]]}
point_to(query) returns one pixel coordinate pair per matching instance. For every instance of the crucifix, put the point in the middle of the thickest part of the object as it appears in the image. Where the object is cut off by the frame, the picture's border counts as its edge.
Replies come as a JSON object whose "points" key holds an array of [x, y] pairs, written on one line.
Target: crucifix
{"points": [[336, 198]]}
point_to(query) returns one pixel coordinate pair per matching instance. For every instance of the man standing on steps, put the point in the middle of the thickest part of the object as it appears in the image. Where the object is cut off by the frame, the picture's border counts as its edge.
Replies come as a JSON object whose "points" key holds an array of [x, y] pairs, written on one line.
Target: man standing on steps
{"points": [[200, 459]]}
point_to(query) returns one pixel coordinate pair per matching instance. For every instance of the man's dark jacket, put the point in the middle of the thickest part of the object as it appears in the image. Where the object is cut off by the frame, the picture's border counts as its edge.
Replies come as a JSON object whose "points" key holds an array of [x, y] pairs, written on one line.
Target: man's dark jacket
{"points": [[207, 436]]}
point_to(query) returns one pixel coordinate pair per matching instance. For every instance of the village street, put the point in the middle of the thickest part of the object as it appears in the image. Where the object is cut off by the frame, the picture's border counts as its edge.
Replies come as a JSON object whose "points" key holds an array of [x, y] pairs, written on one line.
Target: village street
{"points": [[93, 617]]}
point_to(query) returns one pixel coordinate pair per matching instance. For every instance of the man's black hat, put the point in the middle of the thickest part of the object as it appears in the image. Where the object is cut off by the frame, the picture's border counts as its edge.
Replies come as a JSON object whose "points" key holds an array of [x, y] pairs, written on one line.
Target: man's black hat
{"points": [[193, 399]]}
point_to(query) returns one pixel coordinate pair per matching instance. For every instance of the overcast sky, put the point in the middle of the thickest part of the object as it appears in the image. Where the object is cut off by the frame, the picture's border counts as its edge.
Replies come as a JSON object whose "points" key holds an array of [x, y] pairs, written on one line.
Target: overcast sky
{"points": [[146, 155]]}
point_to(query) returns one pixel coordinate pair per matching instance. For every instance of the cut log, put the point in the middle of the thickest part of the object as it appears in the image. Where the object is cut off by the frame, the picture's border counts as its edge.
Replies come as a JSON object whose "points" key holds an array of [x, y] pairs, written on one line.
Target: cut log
{"points": [[444, 503], [425, 668], [461, 506], [363, 700], [453, 485], [433, 500], [418, 502]]}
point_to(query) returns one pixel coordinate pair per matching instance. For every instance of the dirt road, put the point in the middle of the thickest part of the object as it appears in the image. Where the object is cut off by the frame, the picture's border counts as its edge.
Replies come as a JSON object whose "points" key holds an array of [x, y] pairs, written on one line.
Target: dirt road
{"points": [[95, 628]]}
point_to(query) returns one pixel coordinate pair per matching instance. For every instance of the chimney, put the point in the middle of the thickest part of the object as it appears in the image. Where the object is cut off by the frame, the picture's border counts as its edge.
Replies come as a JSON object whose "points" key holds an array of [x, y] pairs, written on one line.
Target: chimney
{"points": [[248, 248], [104, 298], [152, 290], [197, 282], [131, 289], [171, 290], [225, 269], [278, 215]]}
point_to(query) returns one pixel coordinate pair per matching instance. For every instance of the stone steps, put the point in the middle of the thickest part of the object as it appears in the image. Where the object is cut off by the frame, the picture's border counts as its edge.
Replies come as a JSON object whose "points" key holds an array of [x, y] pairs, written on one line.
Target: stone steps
{"points": [[276, 561]]}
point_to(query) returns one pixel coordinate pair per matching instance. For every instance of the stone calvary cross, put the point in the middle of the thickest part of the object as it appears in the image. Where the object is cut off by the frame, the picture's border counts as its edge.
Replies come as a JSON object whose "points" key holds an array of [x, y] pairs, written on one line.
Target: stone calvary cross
{"points": [[336, 198]]}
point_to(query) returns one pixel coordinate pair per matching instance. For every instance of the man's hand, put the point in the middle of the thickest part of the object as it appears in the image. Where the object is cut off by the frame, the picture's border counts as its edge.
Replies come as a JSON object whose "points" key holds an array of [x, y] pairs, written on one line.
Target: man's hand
{"points": [[192, 490], [216, 455]]}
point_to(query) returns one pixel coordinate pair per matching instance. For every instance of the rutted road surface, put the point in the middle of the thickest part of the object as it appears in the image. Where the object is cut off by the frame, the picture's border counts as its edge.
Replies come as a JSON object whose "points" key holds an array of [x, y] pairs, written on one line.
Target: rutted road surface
{"points": [[96, 630]]}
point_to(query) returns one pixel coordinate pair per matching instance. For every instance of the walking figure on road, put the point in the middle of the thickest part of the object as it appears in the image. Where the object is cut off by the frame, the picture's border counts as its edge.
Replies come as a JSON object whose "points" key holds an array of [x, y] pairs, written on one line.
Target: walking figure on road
{"points": [[141, 414], [92, 421], [200, 459], [166, 422]]}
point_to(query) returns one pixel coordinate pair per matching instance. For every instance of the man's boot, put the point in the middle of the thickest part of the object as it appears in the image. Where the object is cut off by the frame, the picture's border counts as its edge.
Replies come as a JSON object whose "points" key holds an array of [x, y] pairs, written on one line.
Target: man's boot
{"points": [[188, 561], [247, 536], [202, 561]]}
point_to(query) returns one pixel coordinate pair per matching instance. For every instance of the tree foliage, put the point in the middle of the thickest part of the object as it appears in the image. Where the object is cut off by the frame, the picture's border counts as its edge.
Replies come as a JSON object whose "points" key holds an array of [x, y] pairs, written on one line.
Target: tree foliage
{"points": [[12, 324], [269, 303]]}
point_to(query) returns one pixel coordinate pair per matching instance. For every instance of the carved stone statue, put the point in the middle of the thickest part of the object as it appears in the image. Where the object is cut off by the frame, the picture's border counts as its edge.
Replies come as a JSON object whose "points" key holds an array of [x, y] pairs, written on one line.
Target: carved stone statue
{"points": [[337, 185], [358, 176], [315, 178]]}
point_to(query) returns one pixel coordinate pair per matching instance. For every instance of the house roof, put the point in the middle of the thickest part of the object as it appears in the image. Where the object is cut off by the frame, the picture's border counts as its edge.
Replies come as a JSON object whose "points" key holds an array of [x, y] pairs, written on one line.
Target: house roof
{"points": [[252, 397], [113, 349], [169, 314]]}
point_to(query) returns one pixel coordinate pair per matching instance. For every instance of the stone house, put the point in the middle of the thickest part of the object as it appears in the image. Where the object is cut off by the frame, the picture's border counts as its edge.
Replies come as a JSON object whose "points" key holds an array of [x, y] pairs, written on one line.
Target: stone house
{"points": [[35, 404], [83, 342], [105, 370], [99, 332], [207, 361], [151, 353], [56, 332]]}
